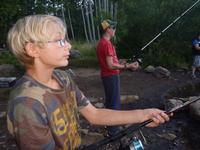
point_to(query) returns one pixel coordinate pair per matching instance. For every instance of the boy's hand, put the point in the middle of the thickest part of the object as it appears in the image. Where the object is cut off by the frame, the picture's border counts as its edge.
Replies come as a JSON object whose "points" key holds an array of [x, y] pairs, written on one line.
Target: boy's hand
{"points": [[157, 116], [133, 66], [122, 61]]}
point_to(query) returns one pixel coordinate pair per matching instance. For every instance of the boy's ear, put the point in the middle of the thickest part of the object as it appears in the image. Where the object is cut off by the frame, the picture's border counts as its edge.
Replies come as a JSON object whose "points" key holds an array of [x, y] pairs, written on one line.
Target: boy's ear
{"points": [[32, 50]]}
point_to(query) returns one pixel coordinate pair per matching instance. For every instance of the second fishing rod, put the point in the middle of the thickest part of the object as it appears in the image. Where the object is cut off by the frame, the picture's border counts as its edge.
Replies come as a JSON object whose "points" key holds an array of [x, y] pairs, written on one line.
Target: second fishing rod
{"points": [[140, 51]]}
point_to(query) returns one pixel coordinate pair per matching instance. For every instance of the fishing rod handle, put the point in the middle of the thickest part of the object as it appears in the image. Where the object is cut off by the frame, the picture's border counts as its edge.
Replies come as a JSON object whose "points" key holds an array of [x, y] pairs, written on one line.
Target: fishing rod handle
{"points": [[150, 120]]}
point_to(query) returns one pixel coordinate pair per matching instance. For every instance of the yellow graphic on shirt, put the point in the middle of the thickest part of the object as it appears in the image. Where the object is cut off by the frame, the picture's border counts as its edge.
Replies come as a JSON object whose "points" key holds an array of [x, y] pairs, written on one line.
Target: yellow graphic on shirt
{"points": [[61, 127], [65, 120]]}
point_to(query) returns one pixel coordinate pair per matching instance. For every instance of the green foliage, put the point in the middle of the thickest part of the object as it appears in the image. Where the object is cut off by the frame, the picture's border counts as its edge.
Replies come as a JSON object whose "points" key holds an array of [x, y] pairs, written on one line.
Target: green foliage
{"points": [[9, 58], [88, 55], [138, 22], [142, 20], [170, 58]]}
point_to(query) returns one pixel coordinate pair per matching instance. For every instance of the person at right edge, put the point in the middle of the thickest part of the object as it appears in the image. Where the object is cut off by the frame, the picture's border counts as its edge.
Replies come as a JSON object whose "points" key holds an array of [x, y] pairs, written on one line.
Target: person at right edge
{"points": [[196, 55], [110, 67]]}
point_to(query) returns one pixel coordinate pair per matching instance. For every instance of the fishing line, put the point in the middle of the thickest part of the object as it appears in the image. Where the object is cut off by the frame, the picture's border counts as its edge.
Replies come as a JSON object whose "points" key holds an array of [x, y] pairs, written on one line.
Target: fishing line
{"points": [[134, 58]]}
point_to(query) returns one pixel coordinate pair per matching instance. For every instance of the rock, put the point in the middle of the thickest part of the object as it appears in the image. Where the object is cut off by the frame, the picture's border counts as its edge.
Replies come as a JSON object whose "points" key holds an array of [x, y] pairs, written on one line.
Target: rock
{"points": [[195, 109], [99, 105], [84, 131], [91, 138], [74, 54], [161, 72], [95, 100], [126, 99], [149, 69], [168, 136], [171, 103]]}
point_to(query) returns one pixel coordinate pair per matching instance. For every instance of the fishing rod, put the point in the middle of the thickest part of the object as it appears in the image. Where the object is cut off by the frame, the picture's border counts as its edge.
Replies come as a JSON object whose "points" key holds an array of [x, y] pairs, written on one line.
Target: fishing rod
{"points": [[134, 58], [129, 130]]}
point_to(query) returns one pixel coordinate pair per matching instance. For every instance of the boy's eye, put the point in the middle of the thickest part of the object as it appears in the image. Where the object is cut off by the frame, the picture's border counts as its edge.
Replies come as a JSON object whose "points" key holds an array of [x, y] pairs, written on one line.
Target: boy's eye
{"points": [[61, 42]]}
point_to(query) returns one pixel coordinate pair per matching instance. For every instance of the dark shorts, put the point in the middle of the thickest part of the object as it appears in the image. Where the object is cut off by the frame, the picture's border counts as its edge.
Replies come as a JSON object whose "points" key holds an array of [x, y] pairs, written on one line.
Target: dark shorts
{"points": [[196, 61]]}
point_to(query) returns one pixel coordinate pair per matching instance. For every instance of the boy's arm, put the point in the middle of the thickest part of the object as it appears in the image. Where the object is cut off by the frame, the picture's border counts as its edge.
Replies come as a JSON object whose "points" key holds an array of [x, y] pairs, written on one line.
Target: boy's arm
{"points": [[109, 60], [30, 125], [112, 65], [113, 117]]}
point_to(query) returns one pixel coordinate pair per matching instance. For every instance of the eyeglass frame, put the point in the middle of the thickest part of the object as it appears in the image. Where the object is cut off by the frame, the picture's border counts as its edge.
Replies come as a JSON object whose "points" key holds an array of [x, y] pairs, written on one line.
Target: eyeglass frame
{"points": [[62, 42]]}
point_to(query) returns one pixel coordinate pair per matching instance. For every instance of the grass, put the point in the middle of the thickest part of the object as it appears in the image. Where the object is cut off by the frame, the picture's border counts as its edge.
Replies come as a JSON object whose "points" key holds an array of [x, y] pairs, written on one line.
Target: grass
{"points": [[154, 56], [8, 58], [88, 55]]}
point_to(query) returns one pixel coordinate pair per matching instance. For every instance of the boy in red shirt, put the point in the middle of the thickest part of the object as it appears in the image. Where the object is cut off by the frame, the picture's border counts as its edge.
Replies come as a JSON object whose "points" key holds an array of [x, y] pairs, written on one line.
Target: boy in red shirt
{"points": [[110, 68]]}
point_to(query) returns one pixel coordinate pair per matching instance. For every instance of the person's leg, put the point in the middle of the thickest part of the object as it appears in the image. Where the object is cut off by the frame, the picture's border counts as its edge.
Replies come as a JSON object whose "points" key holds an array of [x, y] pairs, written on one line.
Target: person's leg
{"points": [[193, 71], [195, 66], [195, 61], [112, 92], [116, 103], [112, 97]]}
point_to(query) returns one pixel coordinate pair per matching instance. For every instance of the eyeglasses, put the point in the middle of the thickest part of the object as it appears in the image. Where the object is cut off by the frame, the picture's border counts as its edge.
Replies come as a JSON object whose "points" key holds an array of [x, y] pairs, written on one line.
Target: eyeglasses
{"points": [[114, 28], [61, 42]]}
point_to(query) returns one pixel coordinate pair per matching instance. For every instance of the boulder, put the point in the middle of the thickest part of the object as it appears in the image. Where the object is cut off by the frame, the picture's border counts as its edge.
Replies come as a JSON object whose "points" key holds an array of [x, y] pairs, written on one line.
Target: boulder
{"points": [[149, 69], [161, 72], [195, 109], [126, 99], [171, 103], [74, 54]]}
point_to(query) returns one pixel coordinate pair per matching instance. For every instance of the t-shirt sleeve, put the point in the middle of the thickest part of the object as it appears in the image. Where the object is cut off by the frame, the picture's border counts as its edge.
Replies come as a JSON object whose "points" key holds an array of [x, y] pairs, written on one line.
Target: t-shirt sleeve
{"points": [[82, 100], [29, 122], [109, 49], [195, 42]]}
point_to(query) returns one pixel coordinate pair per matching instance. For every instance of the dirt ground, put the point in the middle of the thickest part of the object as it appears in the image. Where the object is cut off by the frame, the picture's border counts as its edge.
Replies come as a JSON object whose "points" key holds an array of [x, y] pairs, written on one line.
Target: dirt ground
{"points": [[140, 83], [149, 89]]}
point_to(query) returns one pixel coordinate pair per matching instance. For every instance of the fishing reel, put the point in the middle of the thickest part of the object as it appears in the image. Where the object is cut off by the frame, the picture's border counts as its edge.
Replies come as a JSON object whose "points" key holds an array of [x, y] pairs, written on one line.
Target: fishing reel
{"points": [[136, 59], [133, 143], [136, 144]]}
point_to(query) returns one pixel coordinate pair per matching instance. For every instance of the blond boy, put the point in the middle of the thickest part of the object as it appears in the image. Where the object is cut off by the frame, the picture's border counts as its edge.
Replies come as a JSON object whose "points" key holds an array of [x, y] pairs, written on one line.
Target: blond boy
{"points": [[43, 106]]}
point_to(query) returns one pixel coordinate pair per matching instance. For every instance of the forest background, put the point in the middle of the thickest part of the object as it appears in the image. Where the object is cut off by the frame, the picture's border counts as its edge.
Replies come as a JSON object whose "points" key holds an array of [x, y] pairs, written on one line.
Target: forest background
{"points": [[139, 21]]}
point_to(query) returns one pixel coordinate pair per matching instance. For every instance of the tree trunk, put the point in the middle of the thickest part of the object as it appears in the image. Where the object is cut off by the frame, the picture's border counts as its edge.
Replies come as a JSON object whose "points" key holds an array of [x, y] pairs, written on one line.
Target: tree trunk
{"points": [[115, 10], [70, 22], [88, 23], [100, 10], [97, 16], [63, 16], [92, 22], [111, 10], [84, 24]]}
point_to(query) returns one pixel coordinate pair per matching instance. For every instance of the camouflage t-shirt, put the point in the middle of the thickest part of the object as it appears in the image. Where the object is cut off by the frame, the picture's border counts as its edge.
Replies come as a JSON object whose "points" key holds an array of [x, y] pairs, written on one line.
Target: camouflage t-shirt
{"points": [[43, 118]]}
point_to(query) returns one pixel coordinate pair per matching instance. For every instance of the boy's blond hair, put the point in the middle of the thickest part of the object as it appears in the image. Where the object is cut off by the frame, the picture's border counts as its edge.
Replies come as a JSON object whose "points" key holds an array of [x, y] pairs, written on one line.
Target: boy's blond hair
{"points": [[31, 29]]}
